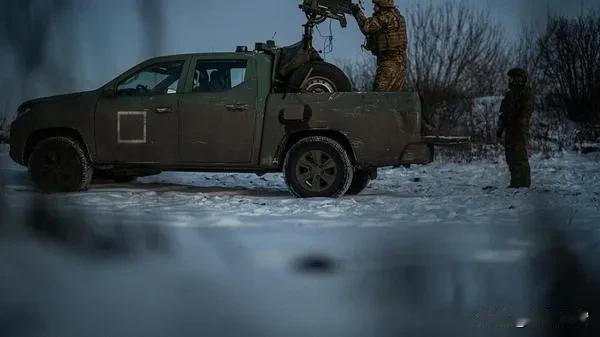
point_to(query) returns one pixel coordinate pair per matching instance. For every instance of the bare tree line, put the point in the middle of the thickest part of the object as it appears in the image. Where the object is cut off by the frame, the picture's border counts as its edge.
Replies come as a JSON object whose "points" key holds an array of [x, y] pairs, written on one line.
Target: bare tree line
{"points": [[456, 53], [569, 53], [361, 72], [455, 47]]}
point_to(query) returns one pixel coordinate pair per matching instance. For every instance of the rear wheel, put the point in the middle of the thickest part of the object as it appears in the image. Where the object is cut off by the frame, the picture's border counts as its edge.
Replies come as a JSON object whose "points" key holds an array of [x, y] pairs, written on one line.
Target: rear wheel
{"points": [[318, 167], [59, 164], [319, 78], [361, 181]]}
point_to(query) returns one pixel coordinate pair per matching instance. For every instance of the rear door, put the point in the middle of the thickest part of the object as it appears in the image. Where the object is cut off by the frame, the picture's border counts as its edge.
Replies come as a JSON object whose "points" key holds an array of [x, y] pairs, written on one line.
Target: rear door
{"points": [[137, 120], [218, 111]]}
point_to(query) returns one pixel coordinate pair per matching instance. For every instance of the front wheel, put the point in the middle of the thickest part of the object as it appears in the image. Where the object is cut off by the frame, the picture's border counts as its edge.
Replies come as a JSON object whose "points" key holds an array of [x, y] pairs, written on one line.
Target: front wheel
{"points": [[318, 167], [59, 164]]}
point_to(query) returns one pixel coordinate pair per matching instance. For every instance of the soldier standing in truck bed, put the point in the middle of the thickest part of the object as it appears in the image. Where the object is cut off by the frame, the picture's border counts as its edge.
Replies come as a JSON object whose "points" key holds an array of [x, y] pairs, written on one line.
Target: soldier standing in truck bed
{"points": [[515, 116], [387, 40]]}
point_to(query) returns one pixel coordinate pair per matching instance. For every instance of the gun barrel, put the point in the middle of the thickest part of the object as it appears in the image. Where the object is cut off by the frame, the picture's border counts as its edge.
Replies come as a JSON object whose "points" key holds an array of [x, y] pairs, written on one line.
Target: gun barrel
{"points": [[334, 7], [323, 9], [338, 6]]}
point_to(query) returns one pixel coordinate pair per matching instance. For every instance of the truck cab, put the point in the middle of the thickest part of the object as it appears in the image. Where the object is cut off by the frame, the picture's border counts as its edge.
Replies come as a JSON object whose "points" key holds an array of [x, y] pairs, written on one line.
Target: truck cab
{"points": [[176, 107]]}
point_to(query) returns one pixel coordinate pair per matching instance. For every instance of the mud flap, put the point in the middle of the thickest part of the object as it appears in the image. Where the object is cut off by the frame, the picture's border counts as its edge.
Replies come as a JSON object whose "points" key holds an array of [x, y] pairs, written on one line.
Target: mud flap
{"points": [[419, 154]]}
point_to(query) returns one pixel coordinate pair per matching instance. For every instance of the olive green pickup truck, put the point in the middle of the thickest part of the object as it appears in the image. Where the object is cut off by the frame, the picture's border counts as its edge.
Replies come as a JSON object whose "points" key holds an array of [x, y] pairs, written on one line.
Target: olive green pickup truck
{"points": [[222, 112]]}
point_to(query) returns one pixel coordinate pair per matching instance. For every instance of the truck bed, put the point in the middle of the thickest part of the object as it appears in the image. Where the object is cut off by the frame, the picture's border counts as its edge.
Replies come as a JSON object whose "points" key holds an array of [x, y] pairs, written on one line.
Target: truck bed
{"points": [[377, 126]]}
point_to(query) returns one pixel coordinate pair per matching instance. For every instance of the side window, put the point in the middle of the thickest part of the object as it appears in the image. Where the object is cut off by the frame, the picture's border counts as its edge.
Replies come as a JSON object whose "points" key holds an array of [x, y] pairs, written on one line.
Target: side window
{"points": [[157, 79], [219, 76]]}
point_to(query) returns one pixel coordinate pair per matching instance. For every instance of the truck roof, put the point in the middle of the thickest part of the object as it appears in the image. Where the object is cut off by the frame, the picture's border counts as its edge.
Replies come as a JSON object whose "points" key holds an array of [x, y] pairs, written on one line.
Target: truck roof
{"points": [[217, 54]]}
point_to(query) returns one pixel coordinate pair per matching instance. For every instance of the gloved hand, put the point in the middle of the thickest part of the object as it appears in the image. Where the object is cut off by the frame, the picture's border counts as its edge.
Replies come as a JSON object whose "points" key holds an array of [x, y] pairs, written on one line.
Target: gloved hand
{"points": [[355, 9]]}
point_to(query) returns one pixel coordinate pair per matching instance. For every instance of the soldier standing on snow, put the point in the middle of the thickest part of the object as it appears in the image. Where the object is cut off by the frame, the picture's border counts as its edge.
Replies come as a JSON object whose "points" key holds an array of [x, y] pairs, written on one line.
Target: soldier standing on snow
{"points": [[515, 116], [387, 40]]}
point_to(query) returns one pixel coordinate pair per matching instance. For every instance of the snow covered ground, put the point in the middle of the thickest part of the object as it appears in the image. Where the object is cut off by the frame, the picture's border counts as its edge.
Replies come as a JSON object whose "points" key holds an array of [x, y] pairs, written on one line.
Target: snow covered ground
{"points": [[471, 193]]}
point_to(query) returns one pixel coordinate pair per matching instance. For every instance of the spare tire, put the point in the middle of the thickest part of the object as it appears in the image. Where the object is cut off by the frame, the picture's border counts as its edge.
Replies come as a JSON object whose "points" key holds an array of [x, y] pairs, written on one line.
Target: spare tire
{"points": [[319, 78]]}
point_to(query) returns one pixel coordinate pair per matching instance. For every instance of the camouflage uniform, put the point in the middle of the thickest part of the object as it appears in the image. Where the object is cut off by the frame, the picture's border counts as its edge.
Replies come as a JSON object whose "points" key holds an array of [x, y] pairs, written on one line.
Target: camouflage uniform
{"points": [[386, 39], [516, 111]]}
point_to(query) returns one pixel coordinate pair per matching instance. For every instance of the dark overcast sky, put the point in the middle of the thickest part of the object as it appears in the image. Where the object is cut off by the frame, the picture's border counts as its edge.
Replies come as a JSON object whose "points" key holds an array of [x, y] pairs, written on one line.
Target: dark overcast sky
{"points": [[220, 25], [110, 40]]}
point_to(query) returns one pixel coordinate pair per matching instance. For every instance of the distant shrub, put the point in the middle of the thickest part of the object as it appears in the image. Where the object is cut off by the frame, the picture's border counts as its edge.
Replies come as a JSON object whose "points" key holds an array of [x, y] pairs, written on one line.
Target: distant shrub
{"points": [[569, 51], [4, 130]]}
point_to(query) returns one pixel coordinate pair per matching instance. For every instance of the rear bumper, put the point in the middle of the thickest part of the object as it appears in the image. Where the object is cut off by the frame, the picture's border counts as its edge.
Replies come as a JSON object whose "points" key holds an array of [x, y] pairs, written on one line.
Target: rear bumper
{"points": [[422, 153], [447, 141]]}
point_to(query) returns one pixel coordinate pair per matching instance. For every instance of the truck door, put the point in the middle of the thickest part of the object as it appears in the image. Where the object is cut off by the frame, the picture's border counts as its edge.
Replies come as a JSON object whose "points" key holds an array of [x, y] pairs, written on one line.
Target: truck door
{"points": [[137, 121], [218, 113]]}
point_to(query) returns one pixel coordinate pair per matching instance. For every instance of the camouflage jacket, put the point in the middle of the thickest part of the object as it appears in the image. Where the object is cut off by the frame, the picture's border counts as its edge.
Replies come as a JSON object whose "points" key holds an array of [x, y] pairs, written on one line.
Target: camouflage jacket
{"points": [[515, 112], [385, 31]]}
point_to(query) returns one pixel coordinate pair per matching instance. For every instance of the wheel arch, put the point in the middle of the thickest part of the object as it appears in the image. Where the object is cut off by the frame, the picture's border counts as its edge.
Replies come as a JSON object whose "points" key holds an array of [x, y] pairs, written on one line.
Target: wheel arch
{"points": [[39, 135], [290, 140]]}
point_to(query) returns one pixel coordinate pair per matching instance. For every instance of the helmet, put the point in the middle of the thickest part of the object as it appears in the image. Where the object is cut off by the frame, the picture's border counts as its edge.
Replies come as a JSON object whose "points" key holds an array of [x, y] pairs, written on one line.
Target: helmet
{"points": [[384, 3], [519, 73]]}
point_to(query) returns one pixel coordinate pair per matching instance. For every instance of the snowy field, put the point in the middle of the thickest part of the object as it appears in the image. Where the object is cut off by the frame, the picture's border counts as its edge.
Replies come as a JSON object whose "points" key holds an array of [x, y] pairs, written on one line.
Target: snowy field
{"points": [[470, 193]]}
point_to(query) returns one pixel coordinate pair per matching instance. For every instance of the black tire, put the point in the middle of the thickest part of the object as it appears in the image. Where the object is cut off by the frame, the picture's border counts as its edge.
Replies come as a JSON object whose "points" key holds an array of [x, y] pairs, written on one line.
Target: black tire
{"points": [[324, 77], [361, 180], [59, 164], [318, 167]]}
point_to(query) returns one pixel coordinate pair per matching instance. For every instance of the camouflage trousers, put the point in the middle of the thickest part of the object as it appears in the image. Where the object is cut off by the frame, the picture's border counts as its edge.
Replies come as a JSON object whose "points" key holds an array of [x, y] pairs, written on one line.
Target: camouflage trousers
{"points": [[391, 74], [518, 162]]}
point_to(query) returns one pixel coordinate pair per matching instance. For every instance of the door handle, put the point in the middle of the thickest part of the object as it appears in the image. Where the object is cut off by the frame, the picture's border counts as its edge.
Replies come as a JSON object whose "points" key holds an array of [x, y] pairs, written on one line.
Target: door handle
{"points": [[163, 110], [237, 107]]}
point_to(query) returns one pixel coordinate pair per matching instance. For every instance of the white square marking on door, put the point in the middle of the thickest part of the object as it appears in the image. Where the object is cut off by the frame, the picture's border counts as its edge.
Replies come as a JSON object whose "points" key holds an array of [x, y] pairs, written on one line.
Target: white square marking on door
{"points": [[122, 137]]}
